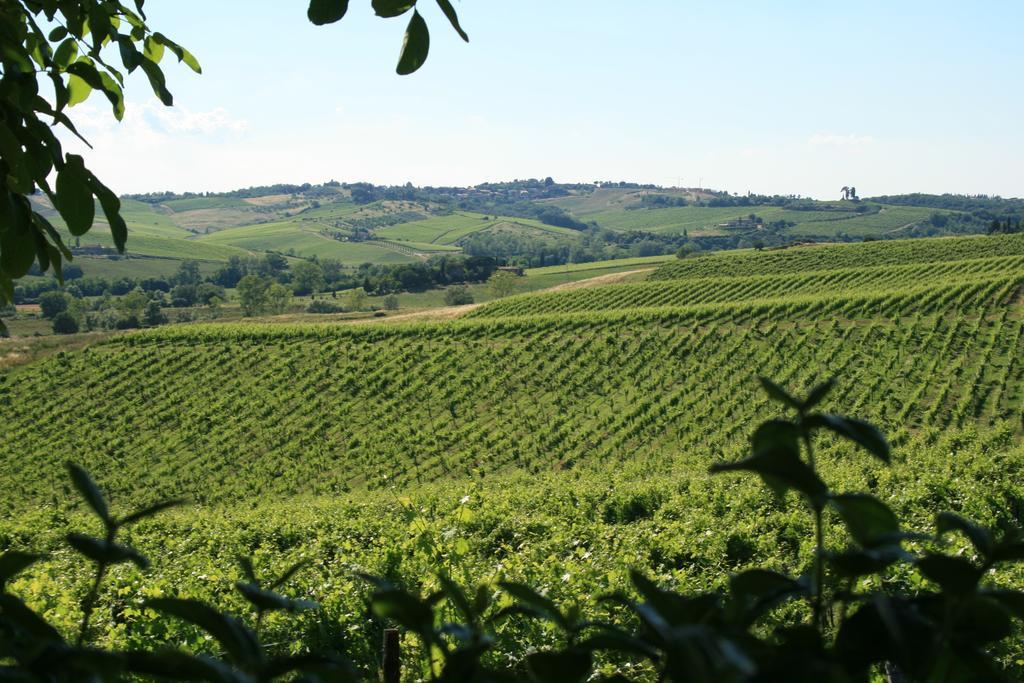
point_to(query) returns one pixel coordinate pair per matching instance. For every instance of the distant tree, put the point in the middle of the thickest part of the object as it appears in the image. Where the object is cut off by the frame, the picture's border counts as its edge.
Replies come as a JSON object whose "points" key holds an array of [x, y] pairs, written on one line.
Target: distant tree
{"points": [[230, 273], [183, 296], [65, 323], [391, 302], [207, 291], [53, 303], [72, 271], [502, 284], [153, 316], [272, 265], [213, 304], [133, 304], [252, 294], [458, 295], [188, 273], [279, 297], [939, 220], [684, 251], [307, 278], [355, 299], [332, 269], [758, 244]]}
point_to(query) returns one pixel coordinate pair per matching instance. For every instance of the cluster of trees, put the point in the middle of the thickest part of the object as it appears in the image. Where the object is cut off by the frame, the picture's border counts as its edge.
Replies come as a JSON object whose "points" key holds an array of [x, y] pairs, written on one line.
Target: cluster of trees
{"points": [[132, 310], [258, 295], [1005, 227], [658, 201], [954, 202]]}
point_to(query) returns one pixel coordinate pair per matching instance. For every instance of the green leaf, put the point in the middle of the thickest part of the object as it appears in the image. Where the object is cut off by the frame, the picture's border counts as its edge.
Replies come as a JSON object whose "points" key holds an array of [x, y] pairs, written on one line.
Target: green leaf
{"points": [[181, 666], [111, 205], [862, 433], [87, 487], [65, 53], [415, 46], [322, 12], [150, 511], [236, 638], [156, 80], [153, 49], [869, 520], [954, 574], [980, 538], [130, 56], [15, 611], [104, 552], [392, 8], [453, 18], [57, 34], [269, 601], [1009, 549], [17, 244], [1010, 599], [408, 610], [559, 667], [114, 93], [818, 394], [13, 563], [543, 605], [779, 394], [78, 90], [181, 53], [776, 459], [247, 569], [457, 597], [863, 561], [289, 573]]}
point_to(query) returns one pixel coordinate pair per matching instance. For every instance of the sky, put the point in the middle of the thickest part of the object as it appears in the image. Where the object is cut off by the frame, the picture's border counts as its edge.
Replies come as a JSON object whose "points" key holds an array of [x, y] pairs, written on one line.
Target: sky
{"points": [[787, 97]]}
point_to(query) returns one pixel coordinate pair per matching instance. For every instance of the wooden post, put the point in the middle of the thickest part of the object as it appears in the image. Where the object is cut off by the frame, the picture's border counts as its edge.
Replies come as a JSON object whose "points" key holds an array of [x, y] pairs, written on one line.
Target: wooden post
{"points": [[391, 663]]}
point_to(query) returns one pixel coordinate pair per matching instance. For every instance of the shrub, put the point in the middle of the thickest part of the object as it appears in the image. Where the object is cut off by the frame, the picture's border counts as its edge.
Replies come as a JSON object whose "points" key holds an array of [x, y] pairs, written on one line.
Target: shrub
{"points": [[65, 323], [323, 306], [458, 295], [52, 303]]}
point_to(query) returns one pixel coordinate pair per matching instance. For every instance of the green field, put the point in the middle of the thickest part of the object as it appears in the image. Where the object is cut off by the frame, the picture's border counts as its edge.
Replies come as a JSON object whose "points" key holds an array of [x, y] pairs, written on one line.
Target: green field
{"points": [[302, 239], [558, 438]]}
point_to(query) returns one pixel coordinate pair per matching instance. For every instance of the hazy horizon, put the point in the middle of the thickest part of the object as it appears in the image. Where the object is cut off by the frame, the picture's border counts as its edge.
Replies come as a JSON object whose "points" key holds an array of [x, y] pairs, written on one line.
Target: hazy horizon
{"points": [[794, 99]]}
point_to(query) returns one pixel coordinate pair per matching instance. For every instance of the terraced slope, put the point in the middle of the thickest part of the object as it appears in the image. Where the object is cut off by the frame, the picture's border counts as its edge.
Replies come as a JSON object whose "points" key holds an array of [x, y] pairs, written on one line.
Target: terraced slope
{"points": [[830, 257], [699, 291]]}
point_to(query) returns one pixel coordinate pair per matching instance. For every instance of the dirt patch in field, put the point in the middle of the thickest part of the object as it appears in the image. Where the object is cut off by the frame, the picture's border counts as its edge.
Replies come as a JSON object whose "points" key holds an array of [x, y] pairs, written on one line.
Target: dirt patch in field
{"points": [[607, 279], [443, 313]]}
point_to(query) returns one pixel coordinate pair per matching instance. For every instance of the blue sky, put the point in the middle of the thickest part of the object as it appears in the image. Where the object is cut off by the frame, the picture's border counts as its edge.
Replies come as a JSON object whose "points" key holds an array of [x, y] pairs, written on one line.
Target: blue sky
{"points": [[784, 97]]}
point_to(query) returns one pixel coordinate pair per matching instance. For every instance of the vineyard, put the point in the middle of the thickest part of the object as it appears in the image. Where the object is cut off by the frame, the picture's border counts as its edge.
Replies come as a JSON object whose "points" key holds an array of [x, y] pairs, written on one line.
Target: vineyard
{"points": [[558, 438]]}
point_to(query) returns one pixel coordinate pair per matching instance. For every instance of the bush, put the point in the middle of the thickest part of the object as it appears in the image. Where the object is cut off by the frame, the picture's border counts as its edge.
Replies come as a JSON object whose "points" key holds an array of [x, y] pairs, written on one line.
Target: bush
{"points": [[65, 323], [52, 303], [323, 306], [458, 295]]}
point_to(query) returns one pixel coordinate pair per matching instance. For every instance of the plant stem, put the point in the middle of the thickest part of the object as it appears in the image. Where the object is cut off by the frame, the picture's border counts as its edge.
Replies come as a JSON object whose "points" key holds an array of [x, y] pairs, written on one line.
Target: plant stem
{"points": [[819, 540], [90, 603]]}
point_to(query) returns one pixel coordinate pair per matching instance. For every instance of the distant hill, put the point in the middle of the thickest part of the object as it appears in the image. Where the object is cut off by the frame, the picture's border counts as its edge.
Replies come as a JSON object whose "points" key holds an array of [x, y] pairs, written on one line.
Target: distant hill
{"points": [[530, 222]]}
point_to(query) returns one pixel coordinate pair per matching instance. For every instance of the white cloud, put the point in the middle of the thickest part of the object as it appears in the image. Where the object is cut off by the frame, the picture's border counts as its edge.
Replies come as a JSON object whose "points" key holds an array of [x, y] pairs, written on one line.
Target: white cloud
{"points": [[836, 140], [151, 121]]}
